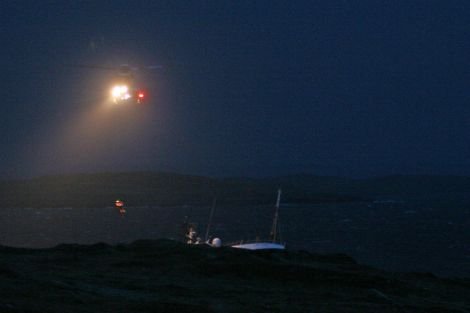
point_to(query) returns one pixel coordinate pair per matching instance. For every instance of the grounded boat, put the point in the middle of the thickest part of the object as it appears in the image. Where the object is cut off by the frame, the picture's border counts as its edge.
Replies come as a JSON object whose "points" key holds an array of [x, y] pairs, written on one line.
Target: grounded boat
{"points": [[260, 246], [273, 243], [191, 236]]}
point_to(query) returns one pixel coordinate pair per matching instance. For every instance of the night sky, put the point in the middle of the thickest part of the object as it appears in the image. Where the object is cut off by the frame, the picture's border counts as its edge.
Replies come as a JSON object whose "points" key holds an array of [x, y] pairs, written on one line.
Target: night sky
{"points": [[248, 88]]}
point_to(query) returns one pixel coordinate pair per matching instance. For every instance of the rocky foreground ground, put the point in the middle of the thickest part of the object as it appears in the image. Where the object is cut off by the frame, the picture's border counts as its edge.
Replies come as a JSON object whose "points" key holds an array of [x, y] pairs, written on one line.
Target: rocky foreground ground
{"points": [[167, 276]]}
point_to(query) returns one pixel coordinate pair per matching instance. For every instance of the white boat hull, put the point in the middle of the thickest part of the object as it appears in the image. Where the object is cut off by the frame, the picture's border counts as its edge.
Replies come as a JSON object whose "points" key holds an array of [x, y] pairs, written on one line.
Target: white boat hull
{"points": [[260, 246]]}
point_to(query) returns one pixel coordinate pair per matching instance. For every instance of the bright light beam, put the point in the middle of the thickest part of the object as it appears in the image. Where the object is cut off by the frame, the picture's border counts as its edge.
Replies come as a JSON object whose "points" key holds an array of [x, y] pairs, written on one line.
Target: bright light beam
{"points": [[120, 92]]}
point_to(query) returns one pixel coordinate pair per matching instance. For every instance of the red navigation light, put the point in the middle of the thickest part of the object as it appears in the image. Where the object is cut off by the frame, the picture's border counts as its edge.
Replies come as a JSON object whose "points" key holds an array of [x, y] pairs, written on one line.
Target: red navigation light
{"points": [[140, 96]]}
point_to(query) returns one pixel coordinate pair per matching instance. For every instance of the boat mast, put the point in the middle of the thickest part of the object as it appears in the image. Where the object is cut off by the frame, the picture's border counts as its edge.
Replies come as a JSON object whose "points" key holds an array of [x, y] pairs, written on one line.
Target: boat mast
{"points": [[210, 219], [276, 217]]}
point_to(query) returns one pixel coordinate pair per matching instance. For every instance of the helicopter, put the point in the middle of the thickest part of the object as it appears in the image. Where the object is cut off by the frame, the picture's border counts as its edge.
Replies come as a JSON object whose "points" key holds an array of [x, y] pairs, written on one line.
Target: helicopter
{"points": [[125, 88]]}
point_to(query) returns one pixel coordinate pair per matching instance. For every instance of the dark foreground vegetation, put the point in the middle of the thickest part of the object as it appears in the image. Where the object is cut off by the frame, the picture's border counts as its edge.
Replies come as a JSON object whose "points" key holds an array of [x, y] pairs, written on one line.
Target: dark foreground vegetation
{"points": [[167, 276]]}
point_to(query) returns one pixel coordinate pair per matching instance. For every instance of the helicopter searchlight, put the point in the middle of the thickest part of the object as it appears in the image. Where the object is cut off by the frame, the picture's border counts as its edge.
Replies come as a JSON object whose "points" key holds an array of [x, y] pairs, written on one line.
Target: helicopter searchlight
{"points": [[120, 93], [126, 88]]}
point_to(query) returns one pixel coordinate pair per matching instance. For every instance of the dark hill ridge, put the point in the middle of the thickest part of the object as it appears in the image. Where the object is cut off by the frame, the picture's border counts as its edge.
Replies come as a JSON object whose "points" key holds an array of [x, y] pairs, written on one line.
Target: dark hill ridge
{"points": [[167, 276], [165, 189], [150, 189]]}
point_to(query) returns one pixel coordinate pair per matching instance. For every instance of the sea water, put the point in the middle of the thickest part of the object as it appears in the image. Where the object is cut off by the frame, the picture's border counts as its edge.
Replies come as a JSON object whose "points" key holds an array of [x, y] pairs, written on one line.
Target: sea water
{"points": [[389, 234]]}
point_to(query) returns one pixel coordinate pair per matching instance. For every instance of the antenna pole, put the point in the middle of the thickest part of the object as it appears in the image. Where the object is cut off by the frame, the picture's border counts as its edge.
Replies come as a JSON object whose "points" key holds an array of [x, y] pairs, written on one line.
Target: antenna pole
{"points": [[276, 216], [210, 219]]}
